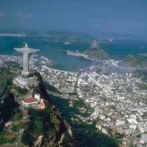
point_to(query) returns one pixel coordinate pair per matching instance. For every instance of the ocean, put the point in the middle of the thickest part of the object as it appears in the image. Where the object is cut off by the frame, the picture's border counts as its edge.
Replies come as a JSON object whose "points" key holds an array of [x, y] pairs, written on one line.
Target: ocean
{"points": [[118, 50]]}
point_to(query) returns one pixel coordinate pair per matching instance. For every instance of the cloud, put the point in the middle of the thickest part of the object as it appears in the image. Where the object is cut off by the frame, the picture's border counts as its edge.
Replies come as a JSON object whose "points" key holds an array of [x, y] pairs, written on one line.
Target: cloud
{"points": [[24, 15], [28, 16], [2, 14], [117, 25]]}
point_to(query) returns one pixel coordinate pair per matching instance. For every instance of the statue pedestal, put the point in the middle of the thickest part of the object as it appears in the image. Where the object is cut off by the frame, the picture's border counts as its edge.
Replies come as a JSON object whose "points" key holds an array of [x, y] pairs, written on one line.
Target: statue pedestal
{"points": [[25, 73], [25, 81]]}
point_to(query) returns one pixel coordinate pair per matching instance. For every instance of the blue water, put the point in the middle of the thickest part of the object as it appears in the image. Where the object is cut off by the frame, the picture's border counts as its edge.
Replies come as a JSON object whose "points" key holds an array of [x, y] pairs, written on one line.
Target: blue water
{"points": [[124, 47], [117, 50]]}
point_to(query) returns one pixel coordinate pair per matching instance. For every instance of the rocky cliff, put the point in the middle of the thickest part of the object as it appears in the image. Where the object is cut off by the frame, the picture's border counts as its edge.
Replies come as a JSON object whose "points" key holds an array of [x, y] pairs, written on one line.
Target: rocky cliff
{"points": [[95, 52], [94, 44]]}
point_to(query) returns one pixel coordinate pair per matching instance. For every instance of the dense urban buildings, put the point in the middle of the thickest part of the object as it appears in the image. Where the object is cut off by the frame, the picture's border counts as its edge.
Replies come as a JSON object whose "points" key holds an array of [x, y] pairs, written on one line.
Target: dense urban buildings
{"points": [[116, 101]]}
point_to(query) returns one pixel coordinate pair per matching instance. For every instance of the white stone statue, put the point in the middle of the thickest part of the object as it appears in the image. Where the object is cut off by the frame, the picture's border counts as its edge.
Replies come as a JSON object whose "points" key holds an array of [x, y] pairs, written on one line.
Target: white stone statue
{"points": [[26, 53]]}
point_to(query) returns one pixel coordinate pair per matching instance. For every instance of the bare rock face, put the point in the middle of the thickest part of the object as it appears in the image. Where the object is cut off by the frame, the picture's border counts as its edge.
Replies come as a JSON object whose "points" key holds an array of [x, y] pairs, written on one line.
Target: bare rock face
{"points": [[95, 52], [94, 44]]}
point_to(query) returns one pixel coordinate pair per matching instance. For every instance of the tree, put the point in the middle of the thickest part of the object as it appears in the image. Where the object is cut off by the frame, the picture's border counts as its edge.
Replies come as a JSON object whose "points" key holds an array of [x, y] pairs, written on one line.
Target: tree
{"points": [[38, 126]]}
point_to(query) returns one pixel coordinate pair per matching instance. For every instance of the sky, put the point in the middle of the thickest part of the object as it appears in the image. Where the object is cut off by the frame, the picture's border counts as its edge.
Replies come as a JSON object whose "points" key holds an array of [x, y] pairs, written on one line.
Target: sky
{"points": [[86, 16]]}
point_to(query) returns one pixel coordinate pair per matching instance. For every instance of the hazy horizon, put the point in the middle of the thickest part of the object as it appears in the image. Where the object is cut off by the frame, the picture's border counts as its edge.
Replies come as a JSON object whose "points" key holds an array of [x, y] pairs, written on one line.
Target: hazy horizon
{"points": [[93, 17]]}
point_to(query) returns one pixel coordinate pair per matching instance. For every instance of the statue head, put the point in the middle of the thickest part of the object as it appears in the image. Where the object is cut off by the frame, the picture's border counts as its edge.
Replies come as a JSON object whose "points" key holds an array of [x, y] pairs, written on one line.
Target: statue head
{"points": [[26, 45]]}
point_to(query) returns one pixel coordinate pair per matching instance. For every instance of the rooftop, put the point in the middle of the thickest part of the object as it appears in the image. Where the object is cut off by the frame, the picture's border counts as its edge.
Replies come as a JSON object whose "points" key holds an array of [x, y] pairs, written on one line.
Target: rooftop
{"points": [[30, 100]]}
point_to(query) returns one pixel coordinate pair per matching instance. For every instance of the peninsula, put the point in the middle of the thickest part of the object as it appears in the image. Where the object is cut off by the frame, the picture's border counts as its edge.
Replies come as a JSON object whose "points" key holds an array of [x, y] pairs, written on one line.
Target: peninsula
{"points": [[94, 53]]}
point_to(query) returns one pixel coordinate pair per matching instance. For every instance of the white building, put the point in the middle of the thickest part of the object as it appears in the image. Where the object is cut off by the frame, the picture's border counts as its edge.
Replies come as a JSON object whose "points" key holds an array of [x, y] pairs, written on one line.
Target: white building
{"points": [[30, 102]]}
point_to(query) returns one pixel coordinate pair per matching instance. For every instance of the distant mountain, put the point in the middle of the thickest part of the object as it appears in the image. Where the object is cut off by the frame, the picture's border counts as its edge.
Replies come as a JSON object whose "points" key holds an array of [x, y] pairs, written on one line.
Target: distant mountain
{"points": [[134, 61], [58, 36], [70, 37], [94, 44], [95, 52]]}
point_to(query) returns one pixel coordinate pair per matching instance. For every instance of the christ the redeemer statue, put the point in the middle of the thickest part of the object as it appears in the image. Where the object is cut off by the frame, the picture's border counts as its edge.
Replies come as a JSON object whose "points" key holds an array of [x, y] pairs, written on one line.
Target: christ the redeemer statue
{"points": [[26, 53]]}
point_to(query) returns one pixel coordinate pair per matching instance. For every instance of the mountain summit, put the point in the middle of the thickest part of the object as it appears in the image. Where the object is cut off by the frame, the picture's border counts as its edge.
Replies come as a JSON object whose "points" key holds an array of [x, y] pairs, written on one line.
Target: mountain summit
{"points": [[95, 52], [94, 44]]}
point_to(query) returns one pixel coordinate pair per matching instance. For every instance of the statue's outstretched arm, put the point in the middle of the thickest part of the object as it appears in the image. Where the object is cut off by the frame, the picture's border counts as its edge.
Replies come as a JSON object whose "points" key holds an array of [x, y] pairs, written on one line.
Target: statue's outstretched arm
{"points": [[34, 51], [19, 50]]}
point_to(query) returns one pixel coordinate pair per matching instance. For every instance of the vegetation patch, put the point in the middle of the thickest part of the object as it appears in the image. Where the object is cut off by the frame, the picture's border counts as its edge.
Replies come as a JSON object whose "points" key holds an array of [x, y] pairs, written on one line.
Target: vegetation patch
{"points": [[16, 128], [18, 116], [6, 137]]}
